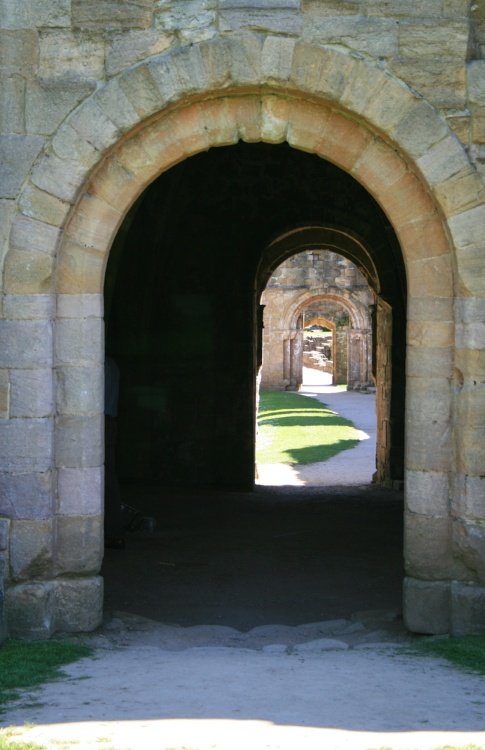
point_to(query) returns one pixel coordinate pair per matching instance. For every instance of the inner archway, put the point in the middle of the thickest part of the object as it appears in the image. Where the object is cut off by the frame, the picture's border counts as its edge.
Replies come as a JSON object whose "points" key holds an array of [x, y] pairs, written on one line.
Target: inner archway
{"points": [[184, 329]]}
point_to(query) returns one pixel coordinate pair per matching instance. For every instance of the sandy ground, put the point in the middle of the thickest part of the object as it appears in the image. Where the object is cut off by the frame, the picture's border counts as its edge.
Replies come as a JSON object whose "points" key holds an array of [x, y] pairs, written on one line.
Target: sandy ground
{"points": [[344, 683], [325, 686]]}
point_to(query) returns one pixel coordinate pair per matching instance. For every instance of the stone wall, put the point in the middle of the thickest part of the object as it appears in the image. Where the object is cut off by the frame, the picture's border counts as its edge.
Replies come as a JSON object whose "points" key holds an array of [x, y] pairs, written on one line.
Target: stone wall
{"points": [[308, 287], [97, 98]]}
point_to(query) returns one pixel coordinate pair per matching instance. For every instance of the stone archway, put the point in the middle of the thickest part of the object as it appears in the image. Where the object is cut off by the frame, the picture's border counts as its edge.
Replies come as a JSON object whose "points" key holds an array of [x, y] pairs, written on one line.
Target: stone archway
{"points": [[273, 90]]}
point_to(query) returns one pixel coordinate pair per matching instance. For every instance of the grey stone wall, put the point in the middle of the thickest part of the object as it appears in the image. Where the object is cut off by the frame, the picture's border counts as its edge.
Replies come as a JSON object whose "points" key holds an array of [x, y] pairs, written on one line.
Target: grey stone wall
{"points": [[4, 529]]}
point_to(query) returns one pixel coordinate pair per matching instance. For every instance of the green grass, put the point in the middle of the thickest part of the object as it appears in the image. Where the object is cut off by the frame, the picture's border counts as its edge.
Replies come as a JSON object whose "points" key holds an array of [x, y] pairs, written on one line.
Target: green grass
{"points": [[296, 429], [465, 651], [7, 744], [25, 664]]}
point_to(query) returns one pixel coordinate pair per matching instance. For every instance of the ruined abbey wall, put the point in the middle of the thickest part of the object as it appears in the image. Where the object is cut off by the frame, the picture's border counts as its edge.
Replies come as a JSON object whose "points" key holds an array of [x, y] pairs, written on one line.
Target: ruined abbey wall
{"points": [[97, 98]]}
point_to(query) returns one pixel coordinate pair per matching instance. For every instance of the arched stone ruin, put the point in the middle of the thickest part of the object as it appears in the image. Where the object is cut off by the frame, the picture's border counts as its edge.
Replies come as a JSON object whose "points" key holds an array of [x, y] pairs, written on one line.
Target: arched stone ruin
{"points": [[106, 97]]}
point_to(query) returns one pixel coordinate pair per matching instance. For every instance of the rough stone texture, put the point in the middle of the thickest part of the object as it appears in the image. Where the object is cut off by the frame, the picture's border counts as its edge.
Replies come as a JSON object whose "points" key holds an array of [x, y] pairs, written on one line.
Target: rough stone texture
{"points": [[31, 393], [17, 154], [79, 544], [4, 394], [467, 608], [30, 609], [426, 606], [469, 547], [80, 390], [111, 14], [29, 307], [70, 56], [43, 206], [79, 442], [468, 497], [26, 496], [135, 46], [49, 102], [25, 343], [79, 342], [427, 548], [78, 604], [31, 548], [80, 305], [25, 445], [427, 492], [80, 491]]}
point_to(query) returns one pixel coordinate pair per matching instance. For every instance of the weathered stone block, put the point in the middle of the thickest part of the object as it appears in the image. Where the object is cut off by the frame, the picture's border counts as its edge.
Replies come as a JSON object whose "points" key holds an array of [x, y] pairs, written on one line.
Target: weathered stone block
{"points": [[4, 534], [115, 104], [80, 491], [431, 334], [420, 129], [79, 342], [427, 606], [78, 604], [426, 39], [428, 447], [94, 222], [25, 343], [428, 401], [33, 235], [31, 393], [374, 36], [52, 13], [431, 276], [273, 20], [14, 15], [26, 496], [277, 58], [30, 609], [443, 160], [12, 98], [193, 20], [478, 126], [469, 497], [323, 69], [28, 273], [80, 305], [441, 81], [79, 547], [467, 228], [111, 14], [31, 545], [467, 608], [469, 546], [60, 177], [80, 390], [134, 46], [17, 154], [475, 71], [4, 394], [71, 55], [19, 52], [28, 307], [7, 211], [94, 127], [141, 89], [25, 444], [76, 149], [430, 308], [427, 492], [79, 441], [80, 269], [425, 363], [43, 206], [49, 102], [427, 546]]}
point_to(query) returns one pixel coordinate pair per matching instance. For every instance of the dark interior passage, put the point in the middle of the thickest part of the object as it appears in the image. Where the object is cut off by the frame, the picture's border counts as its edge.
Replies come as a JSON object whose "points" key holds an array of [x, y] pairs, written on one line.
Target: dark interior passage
{"points": [[181, 293], [287, 556]]}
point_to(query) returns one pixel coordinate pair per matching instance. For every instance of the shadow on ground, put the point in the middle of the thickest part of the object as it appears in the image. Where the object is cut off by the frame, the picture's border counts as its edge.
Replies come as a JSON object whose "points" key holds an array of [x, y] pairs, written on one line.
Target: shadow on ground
{"points": [[277, 555]]}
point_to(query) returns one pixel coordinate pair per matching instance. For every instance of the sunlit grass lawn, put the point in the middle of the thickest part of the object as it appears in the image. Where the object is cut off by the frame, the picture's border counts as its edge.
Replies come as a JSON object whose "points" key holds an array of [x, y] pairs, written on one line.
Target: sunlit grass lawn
{"points": [[296, 429]]}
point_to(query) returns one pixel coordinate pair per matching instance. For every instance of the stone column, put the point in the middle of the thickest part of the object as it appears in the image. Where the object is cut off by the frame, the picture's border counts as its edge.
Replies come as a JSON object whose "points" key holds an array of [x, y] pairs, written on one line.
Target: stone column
{"points": [[341, 355]]}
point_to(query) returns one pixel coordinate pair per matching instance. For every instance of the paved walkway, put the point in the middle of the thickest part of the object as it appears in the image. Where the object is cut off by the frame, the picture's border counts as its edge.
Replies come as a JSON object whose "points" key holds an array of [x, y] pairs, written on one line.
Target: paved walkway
{"points": [[352, 467]]}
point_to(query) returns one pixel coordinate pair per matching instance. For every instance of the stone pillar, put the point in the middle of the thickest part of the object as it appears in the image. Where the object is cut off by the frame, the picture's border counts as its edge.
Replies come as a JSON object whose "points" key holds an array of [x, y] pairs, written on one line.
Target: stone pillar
{"points": [[51, 480], [4, 534], [341, 355]]}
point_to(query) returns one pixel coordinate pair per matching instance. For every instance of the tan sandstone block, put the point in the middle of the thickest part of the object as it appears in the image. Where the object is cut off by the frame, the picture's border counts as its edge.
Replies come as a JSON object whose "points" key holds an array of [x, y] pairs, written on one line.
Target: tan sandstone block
{"points": [[106, 14], [426, 361], [442, 82], [43, 206], [478, 126], [320, 70], [427, 546], [132, 47], [28, 273], [80, 269], [443, 160], [94, 223], [277, 58], [408, 201], [115, 184], [433, 334], [424, 238], [422, 39], [246, 113], [31, 549], [306, 126], [462, 191], [428, 447], [71, 55], [33, 235], [274, 114], [113, 101], [431, 277], [379, 167], [142, 91], [344, 141], [221, 120], [420, 129], [471, 362], [79, 547], [4, 394], [430, 308]]}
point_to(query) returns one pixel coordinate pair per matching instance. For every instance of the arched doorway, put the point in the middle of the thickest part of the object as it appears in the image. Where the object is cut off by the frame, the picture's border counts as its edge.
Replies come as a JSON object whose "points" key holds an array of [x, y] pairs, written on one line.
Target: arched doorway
{"points": [[394, 167]]}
